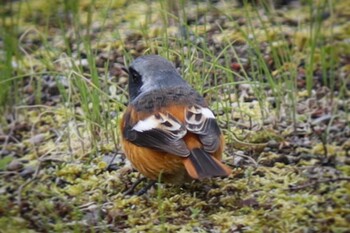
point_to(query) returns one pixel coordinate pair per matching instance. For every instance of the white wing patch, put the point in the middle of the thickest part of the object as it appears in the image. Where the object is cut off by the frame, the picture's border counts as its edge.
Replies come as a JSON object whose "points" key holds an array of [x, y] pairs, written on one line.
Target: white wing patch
{"points": [[163, 122], [207, 113], [147, 124], [196, 118]]}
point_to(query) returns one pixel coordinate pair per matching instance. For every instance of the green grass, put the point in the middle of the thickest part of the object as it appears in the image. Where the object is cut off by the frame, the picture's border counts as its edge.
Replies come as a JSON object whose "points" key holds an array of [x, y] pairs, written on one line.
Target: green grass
{"points": [[206, 69], [9, 60], [200, 62]]}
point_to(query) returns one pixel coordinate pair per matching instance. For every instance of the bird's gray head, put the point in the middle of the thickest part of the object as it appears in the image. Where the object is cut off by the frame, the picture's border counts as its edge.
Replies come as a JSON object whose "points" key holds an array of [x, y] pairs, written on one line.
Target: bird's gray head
{"points": [[152, 72]]}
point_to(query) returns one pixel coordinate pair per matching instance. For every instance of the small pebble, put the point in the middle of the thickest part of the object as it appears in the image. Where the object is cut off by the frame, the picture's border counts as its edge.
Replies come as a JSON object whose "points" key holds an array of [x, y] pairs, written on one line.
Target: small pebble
{"points": [[14, 165]]}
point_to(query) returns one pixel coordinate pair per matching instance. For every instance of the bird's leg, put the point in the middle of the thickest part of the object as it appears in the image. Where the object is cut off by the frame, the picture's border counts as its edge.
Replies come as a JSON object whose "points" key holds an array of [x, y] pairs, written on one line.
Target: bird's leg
{"points": [[143, 190], [146, 188], [134, 185]]}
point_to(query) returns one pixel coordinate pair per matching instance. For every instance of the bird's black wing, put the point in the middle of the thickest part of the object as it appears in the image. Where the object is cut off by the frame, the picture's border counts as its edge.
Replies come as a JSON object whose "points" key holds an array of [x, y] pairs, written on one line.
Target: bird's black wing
{"points": [[201, 121], [160, 131]]}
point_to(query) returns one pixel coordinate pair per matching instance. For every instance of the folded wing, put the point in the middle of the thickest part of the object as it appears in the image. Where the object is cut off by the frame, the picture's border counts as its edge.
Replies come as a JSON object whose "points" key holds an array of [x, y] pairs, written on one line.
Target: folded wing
{"points": [[161, 132], [201, 121]]}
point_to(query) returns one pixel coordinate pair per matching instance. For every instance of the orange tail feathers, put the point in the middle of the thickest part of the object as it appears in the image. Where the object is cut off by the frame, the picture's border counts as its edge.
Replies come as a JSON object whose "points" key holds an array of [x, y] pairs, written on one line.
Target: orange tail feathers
{"points": [[200, 165]]}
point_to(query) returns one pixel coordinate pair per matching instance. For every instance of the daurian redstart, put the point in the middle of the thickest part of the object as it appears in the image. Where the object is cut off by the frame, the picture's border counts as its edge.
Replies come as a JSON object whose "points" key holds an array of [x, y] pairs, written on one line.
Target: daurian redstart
{"points": [[167, 130]]}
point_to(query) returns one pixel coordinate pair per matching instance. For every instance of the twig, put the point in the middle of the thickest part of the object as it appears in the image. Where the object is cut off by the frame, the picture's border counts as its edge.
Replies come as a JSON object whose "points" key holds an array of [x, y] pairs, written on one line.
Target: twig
{"points": [[8, 136], [313, 183], [19, 190], [35, 176], [255, 164]]}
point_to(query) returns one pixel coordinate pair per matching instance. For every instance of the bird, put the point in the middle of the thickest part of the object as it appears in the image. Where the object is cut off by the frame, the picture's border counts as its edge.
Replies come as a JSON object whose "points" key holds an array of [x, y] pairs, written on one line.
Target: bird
{"points": [[167, 129]]}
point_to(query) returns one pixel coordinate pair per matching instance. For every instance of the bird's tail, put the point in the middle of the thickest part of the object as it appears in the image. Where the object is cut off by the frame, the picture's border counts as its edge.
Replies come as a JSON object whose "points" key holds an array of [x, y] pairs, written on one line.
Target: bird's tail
{"points": [[201, 165]]}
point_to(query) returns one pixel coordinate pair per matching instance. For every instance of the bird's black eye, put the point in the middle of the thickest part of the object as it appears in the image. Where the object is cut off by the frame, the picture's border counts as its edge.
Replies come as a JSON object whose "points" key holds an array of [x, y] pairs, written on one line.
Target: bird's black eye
{"points": [[134, 75], [135, 83]]}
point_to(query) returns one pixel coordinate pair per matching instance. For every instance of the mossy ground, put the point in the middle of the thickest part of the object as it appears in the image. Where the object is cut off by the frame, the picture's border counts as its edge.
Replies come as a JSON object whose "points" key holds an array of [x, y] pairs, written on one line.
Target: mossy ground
{"points": [[62, 171]]}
